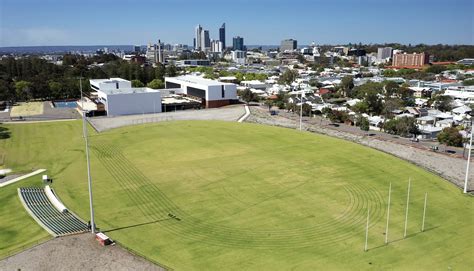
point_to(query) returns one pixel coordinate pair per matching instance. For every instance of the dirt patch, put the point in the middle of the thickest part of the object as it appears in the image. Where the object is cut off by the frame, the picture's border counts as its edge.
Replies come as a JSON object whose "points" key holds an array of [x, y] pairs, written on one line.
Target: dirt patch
{"points": [[76, 252]]}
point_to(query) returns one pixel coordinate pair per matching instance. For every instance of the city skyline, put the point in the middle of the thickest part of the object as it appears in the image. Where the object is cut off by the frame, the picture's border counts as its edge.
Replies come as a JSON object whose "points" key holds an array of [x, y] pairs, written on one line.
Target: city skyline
{"points": [[260, 23]]}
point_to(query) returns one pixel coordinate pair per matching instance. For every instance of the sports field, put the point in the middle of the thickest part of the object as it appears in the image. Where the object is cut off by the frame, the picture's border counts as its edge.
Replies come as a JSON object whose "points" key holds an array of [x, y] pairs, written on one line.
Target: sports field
{"points": [[27, 109], [209, 195]]}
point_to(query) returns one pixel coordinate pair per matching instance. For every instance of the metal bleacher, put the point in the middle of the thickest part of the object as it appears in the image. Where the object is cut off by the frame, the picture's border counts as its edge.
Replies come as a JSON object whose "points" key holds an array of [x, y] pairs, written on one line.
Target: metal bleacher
{"points": [[51, 219]]}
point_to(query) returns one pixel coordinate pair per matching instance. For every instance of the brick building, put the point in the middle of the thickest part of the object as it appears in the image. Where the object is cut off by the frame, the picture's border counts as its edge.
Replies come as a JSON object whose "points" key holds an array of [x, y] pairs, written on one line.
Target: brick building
{"points": [[410, 60]]}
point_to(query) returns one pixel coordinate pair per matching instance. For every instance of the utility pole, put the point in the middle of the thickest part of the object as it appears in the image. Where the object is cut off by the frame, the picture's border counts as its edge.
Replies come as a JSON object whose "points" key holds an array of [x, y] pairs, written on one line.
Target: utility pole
{"points": [[89, 179], [468, 161], [301, 110]]}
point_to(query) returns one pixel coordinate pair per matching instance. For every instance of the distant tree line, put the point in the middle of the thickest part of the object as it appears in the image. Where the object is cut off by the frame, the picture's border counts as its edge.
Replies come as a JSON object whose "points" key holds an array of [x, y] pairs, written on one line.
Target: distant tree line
{"points": [[31, 78]]}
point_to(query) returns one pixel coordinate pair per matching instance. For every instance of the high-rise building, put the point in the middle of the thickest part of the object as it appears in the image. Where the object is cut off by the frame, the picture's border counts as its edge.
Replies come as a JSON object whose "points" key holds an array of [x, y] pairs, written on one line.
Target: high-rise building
{"points": [[160, 52], [238, 43], [288, 45], [216, 46], [198, 42], [411, 60], [205, 40], [384, 53], [152, 52], [222, 35], [137, 49]]}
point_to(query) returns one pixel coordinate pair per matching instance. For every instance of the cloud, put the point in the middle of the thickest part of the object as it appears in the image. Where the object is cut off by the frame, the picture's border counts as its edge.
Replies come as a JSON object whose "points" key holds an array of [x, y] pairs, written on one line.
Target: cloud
{"points": [[34, 36]]}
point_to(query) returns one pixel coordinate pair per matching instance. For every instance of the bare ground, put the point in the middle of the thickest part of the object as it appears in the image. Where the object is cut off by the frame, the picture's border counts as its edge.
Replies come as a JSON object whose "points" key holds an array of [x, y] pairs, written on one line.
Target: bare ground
{"points": [[76, 252]]}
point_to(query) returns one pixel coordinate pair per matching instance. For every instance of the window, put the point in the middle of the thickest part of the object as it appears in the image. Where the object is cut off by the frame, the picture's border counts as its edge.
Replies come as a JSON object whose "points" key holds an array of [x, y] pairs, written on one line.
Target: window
{"points": [[223, 91]]}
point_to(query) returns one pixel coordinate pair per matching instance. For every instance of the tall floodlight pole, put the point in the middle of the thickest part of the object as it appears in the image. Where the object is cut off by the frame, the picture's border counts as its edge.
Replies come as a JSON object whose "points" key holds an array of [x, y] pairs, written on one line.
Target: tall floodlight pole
{"points": [[406, 213], [424, 213], [388, 212], [301, 110], [89, 180], [468, 160], [367, 229]]}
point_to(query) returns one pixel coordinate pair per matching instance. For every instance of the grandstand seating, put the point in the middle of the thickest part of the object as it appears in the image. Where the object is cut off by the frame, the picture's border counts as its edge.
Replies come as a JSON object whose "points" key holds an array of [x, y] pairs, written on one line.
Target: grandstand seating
{"points": [[43, 211]]}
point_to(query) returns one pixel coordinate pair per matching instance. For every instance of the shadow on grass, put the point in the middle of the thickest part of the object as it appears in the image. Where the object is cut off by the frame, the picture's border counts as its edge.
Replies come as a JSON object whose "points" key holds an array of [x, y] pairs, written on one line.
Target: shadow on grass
{"points": [[138, 225], [4, 133], [401, 239]]}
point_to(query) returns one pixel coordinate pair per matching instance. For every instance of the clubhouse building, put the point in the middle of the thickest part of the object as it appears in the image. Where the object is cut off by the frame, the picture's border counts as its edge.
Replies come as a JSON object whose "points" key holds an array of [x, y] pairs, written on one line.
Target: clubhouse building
{"points": [[116, 96]]}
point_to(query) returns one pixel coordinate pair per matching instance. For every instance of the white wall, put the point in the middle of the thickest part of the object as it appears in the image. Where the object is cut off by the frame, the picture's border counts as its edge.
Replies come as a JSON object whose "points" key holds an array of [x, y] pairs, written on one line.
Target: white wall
{"points": [[133, 103], [213, 92]]}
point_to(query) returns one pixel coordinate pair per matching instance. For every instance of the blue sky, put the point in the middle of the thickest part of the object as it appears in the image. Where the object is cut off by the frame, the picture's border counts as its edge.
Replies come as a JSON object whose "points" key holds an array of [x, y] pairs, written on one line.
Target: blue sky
{"points": [[117, 22]]}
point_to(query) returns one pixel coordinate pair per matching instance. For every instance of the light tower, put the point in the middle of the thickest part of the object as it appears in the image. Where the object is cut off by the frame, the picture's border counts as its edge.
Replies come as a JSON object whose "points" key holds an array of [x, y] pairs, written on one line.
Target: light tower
{"points": [[89, 179]]}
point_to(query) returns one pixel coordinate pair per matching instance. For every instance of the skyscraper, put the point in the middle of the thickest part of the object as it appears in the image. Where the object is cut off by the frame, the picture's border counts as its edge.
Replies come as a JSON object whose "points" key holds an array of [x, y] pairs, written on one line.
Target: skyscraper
{"points": [[222, 35], [198, 42], [288, 45], [205, 40], [238, 43]]}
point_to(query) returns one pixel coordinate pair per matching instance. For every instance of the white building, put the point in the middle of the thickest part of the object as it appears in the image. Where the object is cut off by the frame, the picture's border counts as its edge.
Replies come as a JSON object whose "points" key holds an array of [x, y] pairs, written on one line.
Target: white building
{"points": [[120, 98], [212, 93], [383, 54], [216, 46], [239, 57]]}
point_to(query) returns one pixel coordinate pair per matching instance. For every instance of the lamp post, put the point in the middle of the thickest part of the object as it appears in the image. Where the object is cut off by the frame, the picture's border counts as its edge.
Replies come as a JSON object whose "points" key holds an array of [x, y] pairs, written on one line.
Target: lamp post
{"points": [[89, 179], [468, 157]]}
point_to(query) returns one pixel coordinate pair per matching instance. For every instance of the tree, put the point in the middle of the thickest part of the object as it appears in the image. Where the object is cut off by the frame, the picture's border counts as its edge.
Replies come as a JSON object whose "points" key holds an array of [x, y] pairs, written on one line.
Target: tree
{"points": [[436, 69], [288, 77], [137, 83], [374, 102], [402, 126], [390, 87], [55, 89], [363, 123], [468, 82], [6, 91], [390, 105], [443, 103], [156, 84], [160, 71], [347, 84], [247, 96], [338, 116], [23, 90], [171, 70], [450, 136], [306, 109], [361, 107]]}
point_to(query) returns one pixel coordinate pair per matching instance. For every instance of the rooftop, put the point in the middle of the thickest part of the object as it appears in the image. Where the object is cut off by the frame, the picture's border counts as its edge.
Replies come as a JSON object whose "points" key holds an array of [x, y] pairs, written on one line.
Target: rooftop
{"points": [[129, 90], [196, 80], [110, 80]]}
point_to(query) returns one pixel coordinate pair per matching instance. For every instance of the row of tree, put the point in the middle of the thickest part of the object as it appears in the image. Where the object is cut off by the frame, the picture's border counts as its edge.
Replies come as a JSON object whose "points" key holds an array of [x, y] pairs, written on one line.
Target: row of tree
{"points": [[34, 78]]}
